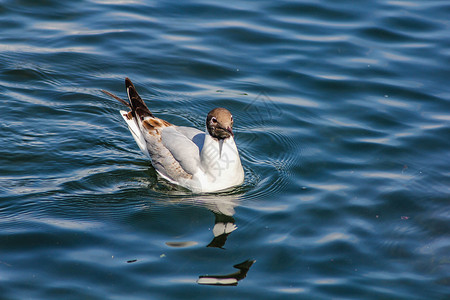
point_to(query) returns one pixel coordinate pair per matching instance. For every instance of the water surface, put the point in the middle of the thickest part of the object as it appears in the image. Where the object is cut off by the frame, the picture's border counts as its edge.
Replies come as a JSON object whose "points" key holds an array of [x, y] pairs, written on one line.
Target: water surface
{"points": [[342, 121]]}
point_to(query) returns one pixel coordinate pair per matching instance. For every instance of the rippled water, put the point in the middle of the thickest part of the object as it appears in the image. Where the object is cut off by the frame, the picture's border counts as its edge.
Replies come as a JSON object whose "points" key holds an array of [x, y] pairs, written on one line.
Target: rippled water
{"points": [[342, 119]]}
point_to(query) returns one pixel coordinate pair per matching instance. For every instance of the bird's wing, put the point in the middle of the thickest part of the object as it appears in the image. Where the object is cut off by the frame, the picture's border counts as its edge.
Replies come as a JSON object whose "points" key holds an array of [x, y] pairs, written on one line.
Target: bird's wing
{"points": [[195, 135], [182, 148], [174, 151]]}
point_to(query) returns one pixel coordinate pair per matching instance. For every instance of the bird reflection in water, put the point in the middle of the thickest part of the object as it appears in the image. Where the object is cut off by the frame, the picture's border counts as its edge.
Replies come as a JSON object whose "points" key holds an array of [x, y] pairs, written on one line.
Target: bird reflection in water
{"points": [[224, 224], [228, 279]]}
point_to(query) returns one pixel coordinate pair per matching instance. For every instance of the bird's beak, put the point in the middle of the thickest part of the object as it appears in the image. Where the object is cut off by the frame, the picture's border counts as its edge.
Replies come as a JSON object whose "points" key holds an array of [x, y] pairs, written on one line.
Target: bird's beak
{"points": [[230, 131]]}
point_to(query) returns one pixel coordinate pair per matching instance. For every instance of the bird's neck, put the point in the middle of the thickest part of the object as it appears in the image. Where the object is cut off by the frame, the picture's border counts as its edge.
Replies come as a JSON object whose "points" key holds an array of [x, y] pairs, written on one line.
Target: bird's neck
{"points": [[218, 156]]}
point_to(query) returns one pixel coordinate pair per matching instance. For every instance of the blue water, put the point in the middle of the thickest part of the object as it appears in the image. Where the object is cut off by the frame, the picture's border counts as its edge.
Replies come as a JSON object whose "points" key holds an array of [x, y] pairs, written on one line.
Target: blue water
{"points": [[342, 119]]}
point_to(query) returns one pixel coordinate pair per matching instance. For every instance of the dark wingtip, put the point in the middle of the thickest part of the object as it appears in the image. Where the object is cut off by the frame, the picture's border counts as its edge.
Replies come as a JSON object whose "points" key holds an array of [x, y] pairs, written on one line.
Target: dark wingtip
{"points": [[131, 89], [137, 104], [128, 83]]}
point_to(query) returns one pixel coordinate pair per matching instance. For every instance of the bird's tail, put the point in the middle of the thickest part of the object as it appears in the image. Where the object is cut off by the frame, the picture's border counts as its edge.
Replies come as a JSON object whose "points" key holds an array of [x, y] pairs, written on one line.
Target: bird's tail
{"points": [[138, 107], [136, 104]]}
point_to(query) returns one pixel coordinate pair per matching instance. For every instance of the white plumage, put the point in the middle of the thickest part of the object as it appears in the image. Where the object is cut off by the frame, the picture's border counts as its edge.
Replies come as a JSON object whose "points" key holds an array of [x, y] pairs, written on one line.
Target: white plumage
{"points": [[199, 161]]}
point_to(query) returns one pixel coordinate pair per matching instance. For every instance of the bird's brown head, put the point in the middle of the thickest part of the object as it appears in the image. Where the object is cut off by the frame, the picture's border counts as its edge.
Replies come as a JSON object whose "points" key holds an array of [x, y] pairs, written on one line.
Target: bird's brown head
{"points": [[219, 123]]}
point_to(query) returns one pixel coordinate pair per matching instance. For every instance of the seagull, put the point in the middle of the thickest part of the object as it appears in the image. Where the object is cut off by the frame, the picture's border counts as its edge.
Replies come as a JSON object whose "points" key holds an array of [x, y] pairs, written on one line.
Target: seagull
{"points": [[202, 162]]}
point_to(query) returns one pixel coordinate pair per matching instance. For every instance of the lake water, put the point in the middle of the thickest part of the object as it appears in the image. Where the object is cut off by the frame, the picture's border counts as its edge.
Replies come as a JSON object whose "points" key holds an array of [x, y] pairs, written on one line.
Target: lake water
{"points": [[342, 119]]}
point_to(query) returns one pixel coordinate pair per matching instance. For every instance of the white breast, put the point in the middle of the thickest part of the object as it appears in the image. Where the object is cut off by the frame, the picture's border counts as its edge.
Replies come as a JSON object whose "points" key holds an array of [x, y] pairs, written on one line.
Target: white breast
{"points": [[221, 166]]}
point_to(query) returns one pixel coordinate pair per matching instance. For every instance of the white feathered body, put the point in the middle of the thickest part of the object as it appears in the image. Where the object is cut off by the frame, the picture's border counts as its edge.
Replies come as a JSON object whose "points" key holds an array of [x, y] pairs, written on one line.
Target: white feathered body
{"points": [[187, 156]]}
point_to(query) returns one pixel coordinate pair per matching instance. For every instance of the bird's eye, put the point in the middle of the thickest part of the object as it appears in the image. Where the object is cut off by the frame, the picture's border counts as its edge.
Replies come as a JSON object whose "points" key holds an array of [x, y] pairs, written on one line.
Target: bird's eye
{"points": [[214, 120]]}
